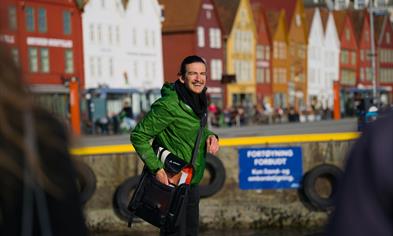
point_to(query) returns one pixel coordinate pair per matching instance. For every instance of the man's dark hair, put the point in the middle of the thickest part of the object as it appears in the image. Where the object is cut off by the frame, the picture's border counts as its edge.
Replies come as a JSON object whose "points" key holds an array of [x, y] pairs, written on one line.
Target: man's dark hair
{"points": [[189, 60]]}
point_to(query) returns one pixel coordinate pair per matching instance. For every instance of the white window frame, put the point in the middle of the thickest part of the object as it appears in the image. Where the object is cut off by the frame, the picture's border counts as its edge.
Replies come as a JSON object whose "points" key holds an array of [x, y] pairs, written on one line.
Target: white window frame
{"points": [[201, 36], [68, 61]]}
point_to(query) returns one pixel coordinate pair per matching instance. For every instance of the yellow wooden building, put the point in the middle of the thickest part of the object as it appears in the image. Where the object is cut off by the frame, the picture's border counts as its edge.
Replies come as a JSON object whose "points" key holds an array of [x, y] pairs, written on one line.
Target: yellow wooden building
{"points": [[278, 31], [240, 42]]}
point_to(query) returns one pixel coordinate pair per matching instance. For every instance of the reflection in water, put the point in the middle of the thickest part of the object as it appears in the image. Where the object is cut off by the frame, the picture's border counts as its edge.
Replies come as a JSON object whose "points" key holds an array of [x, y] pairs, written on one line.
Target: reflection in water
{"points": [[265, 232]]}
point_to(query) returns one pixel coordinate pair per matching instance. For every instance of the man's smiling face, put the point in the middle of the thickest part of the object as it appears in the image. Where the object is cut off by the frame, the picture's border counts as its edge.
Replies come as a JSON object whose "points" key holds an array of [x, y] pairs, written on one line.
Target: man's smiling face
{"points": [[195, 77]]}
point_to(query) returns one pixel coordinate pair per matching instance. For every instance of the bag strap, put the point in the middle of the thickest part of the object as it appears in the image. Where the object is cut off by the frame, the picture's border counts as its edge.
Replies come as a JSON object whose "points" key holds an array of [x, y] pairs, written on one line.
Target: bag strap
{"points": [[198, 140], [31, 190]]}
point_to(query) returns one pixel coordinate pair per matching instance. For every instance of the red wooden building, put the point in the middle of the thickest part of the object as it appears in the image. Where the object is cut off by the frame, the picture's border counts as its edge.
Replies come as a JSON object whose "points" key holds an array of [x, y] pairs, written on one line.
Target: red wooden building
{"points": [[45, 38], [385, 58], [348, 61], [263, 57], [193, 28]]}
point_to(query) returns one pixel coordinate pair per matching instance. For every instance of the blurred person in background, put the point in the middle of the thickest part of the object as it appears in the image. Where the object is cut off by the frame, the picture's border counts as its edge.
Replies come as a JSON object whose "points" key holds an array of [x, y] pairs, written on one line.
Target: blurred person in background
{"points": [[39, 194], [365, 201]]}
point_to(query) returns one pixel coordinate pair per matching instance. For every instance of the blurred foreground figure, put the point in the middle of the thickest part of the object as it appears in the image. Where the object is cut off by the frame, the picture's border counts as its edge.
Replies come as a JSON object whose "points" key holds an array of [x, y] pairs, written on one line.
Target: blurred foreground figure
{"points": [[38, 193], [365, 203]]}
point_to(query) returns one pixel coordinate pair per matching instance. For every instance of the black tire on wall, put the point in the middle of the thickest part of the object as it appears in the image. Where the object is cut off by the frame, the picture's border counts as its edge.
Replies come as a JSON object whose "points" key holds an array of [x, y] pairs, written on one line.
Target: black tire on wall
{"points": [[123, 195], [217, 176], [86, 181], [308, 190]]}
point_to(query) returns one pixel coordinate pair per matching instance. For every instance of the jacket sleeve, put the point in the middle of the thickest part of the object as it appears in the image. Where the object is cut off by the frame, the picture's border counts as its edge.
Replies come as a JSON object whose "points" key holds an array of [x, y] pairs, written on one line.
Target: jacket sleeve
{"points": [[155, 121]]}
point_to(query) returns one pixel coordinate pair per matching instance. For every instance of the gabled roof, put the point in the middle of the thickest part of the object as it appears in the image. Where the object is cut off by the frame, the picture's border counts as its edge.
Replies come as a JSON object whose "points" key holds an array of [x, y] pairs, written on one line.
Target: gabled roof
{"points": [[309, 14], [277, 5], [180, 15], [324, 16], [273, 18], [379, 23], [82, 3], [357, 18], [226, 12], [339, 18], [259, 15]]}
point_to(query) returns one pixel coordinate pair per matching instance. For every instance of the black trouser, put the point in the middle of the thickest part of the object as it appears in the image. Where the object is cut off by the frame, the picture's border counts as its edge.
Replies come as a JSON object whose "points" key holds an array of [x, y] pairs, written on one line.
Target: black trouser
{"points": [[190, 223]]}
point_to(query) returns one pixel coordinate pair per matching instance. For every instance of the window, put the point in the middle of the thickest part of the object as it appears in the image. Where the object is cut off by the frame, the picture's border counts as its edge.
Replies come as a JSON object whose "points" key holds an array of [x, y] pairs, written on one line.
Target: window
{"points": [[67, 22], [260, 52], [42, 24], [201, 37], [117, 34], [260, 76], [44, 60], [353, 57], [92, 66], [140, 5], [267, 52], [267, 76], [99, 67], [12, 18], [344, 57], [275, 49], [216, 69], [29, 11], [153, 39], [208, 14], [91, 33], [99, 32], [110, 34], [146, 38], [347, 35], [15, 55], [369, 74], [134, 37], [33, 59], [387, 38], [69, 61], [135, 68], [215, 38], [111, 69]]}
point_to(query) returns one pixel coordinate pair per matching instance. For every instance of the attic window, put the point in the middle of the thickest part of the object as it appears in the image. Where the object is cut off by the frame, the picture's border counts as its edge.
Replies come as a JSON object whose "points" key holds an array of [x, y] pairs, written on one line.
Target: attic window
{"points": [[208, 14], [298, 20], [162, 8], [140, 6]]}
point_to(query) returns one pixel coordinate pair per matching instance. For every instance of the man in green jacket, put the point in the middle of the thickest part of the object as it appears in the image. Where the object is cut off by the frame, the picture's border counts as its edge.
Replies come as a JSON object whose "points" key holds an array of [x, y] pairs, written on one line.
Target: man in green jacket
{"points": [[173, 123]]}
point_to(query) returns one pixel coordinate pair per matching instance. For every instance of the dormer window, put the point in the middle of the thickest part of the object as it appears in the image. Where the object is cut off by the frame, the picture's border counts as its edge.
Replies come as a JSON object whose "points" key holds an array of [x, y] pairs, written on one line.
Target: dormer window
{"points": [[298, 20]]}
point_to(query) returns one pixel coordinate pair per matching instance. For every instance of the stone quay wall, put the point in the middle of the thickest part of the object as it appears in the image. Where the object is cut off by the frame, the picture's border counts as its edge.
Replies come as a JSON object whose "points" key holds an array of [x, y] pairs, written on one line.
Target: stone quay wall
{"points": [[230, 207]]}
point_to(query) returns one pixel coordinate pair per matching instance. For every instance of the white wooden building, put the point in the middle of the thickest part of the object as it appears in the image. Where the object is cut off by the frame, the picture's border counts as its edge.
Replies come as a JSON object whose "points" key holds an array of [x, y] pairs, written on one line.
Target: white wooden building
{"points": [[123, 51]]}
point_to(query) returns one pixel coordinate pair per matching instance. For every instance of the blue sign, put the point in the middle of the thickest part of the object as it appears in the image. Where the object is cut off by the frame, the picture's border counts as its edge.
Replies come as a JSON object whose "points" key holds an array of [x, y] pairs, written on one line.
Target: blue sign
{"points": [[270, 168]]}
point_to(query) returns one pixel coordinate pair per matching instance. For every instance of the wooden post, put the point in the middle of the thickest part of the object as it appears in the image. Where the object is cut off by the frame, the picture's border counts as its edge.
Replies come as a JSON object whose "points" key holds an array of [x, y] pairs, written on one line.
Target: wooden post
{"points": [[74, 106], [336, 100]]}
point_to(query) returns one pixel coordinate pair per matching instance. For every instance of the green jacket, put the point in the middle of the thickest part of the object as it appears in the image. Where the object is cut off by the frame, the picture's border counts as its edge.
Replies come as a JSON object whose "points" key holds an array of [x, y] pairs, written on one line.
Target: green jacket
{"points": [[175, 127]]}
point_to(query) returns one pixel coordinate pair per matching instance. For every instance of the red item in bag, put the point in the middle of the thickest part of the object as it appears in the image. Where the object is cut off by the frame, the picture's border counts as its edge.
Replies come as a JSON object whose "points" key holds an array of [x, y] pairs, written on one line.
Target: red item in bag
{"points": [[186, 175]]}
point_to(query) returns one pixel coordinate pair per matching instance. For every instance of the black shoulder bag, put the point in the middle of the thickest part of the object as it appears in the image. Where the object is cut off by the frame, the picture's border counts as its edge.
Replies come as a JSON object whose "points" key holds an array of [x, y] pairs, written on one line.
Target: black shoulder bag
{"points": [[159, 204]]}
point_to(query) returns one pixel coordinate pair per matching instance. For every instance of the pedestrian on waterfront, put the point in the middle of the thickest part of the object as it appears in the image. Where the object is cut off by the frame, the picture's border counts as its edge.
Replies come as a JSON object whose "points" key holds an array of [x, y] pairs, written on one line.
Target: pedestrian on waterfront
{"points": [[173, 123], [39, 194], [365, 198], [126, 116]]}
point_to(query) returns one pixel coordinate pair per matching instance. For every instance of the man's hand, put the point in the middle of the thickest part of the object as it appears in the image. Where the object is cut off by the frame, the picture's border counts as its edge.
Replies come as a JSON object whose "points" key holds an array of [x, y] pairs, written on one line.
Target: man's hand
{"points": [[162, 177], [212, 144]]}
